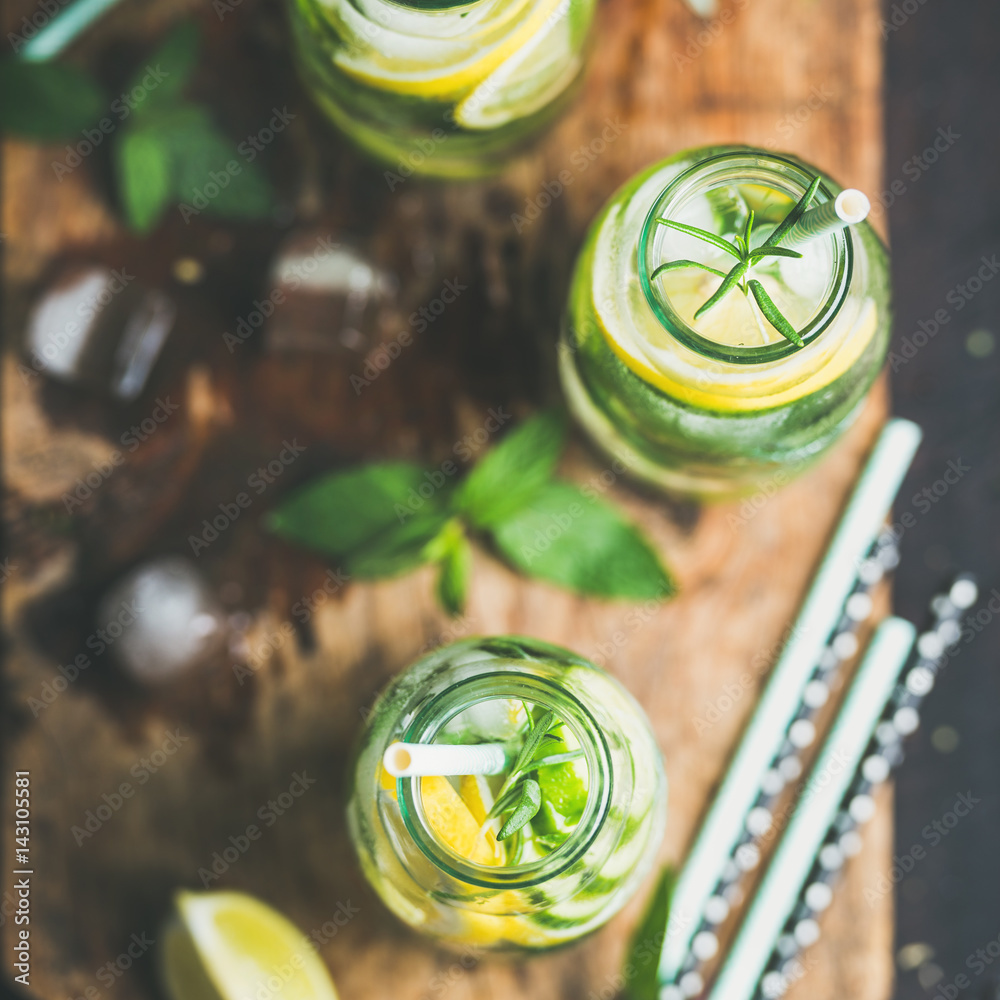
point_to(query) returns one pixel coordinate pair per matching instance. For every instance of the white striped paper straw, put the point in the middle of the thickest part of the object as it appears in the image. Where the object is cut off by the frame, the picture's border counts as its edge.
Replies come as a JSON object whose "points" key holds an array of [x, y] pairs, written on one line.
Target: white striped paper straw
{"points": [[411, 760], [860, 524], [834, 769], [884, 753], [849, 208]]}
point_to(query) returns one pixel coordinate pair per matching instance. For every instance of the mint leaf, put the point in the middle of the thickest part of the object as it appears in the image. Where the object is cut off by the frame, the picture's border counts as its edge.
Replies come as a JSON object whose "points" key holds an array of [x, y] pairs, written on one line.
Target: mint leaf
{"points": [[454, 570], [528, 805], [341, 512], [398, 549], [506, 478], [208, 173], [143, 162], [647, 942], [163, 77], [582, 544], [47, 101]]}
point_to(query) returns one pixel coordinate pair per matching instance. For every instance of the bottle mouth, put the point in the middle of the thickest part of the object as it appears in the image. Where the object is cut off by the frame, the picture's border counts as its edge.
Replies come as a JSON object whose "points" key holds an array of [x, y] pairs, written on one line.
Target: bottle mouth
{"points": [[783, 175], [444, 707], [437, 6]]}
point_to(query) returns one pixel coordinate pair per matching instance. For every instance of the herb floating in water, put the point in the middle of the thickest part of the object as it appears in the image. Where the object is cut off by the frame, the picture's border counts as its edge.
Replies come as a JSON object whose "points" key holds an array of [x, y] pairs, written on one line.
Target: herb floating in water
{"points": [[520, 798], [746, 257]]}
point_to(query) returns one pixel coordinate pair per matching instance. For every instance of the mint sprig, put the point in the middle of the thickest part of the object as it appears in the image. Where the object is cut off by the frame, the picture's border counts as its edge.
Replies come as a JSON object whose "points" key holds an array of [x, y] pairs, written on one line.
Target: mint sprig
{"points": [[47, 101], [166, 149], [387, 518], [183, 150], [746, 257]]}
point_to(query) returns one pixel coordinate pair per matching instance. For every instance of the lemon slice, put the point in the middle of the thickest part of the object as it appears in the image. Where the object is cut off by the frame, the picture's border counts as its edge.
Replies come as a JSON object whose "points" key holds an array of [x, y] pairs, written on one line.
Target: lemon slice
{"points": [[229, 946], [530, 79], [486, 930], [864, 331], [454, 823], [386, 781], [619, 311], [416, 66], [475, 793]]}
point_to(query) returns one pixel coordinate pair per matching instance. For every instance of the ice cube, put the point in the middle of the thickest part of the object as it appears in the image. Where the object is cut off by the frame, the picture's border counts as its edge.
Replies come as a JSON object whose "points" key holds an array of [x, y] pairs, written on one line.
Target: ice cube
{"points": [[98, 327], [807, 279], [331, 296], [495, 719], [161, 620], [729, 211]]}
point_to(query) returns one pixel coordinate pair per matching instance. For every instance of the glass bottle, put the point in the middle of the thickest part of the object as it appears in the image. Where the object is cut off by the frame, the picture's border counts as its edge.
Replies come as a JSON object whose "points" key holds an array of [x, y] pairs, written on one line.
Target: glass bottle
{"points": [[545, 901], [722, 405], [439, 88]]}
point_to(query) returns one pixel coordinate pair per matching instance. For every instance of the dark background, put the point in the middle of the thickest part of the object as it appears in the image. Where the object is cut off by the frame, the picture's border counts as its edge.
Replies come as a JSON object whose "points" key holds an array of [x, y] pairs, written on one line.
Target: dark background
{"points": [[943, 72]]}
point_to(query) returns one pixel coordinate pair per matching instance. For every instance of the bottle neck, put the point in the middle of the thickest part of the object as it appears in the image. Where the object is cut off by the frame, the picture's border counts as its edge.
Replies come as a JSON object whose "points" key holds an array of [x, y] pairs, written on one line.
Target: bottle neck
{"points": [[692, 195], [545, 694]]}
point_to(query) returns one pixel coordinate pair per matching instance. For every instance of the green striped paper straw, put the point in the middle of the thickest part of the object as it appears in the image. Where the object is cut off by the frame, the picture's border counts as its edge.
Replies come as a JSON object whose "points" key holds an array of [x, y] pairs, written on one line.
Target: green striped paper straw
{"points": [[64, 29], [859, 526], [849, 208], [833, 772]]}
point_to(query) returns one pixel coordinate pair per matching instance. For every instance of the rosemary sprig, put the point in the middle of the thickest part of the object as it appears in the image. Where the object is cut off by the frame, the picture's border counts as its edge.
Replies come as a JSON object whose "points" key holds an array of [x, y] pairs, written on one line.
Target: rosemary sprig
{"points": [[746, 257], [528, 803], [520, 795]]}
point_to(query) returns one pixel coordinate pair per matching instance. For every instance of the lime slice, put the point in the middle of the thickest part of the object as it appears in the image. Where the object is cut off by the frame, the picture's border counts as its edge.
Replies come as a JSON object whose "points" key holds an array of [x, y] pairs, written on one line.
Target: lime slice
{"points": [[228, 946], [494, 719], [564, 788], [532, 77]]}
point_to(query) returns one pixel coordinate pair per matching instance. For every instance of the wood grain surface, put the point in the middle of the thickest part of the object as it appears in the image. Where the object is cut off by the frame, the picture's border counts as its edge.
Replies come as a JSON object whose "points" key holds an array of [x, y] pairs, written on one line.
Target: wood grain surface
{"points": [[790, 74]]}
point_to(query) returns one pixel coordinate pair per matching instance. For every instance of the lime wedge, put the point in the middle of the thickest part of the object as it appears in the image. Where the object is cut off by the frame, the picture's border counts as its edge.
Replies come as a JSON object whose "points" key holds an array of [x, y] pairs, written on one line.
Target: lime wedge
{"points": [[532, 77], [228, 946], [564, 789]]}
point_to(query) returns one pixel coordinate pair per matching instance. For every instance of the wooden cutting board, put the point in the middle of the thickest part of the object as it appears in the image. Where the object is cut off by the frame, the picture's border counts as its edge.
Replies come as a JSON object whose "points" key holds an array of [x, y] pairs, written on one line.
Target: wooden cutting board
{"points": [[790, 74]]}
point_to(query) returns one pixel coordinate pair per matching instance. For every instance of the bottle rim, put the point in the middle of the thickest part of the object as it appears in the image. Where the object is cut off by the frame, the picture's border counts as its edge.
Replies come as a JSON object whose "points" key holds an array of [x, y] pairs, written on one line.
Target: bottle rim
{"points": [[435, 6], [444, 706], [786, 174]]}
